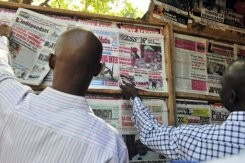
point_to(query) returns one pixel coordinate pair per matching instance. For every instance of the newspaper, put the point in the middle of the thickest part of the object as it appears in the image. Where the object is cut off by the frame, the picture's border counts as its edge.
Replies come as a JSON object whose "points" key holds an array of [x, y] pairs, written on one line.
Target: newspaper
{"points": [[209, 12], [108, 77], [222, 14], [140, 29], [171, 11], [6, 16], [190, 64], [235, 13], [218, 113], [142, 60], [192, 112], [97, 23], [219, 56], [32, 41], [157, 107], [106, 108], [240, 51]]}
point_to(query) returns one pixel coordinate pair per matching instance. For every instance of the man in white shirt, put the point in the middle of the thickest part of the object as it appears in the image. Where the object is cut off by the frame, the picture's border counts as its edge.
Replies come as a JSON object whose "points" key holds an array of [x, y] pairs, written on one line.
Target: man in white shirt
{"points": [[56, 126], [200, 142]]}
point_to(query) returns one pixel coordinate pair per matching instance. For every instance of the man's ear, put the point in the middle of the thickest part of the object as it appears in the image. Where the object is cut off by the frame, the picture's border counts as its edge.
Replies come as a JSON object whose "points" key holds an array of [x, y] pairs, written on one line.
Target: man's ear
{"points": [[233, 97], [98, 69], [51, 60]]}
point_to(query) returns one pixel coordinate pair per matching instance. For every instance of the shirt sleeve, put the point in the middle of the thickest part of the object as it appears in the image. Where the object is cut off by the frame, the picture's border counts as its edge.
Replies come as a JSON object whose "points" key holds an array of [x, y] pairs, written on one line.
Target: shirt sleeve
{"points": [[11, 91], [160, 138]]}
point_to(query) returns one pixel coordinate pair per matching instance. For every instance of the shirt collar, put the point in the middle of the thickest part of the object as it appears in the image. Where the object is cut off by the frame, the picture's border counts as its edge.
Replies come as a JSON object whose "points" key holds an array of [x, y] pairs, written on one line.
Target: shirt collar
{"points": [[236, 116], [65, 100]]}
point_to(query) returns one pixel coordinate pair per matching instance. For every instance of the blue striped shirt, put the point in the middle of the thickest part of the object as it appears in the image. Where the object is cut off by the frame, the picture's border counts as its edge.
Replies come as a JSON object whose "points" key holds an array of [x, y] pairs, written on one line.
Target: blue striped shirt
{"points": [[52, 127]]}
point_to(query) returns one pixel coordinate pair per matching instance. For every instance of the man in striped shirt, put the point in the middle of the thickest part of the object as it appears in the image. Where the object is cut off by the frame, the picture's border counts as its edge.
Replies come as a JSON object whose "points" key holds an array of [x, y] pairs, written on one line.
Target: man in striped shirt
{"points": [[203, 142], [56, 126]]}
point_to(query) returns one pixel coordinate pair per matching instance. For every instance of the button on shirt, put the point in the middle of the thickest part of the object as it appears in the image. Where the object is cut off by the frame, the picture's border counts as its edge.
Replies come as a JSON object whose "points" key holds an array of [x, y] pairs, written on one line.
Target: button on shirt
{"points": [[52, 127], [190, 142]]}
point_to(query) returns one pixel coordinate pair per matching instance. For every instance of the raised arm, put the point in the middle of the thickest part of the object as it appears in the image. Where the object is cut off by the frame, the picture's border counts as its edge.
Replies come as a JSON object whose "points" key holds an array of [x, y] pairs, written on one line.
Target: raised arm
{"points": [[11, 91]]}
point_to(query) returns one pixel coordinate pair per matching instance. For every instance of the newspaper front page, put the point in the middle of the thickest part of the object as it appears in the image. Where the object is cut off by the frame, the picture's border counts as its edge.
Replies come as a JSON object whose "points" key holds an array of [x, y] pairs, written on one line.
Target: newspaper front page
{"points": [[142, 60], [240, 51], [108, 77], [32, 41], [190, 64], [219, 56], [218, 114], [192, 112], [220, 14], [172, 11], [106, 108], [157, 107]]}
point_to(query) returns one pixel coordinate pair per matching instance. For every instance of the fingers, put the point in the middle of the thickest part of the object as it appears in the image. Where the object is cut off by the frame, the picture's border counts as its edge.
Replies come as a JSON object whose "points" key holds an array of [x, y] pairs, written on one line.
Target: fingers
{"points": [[5, 30]]}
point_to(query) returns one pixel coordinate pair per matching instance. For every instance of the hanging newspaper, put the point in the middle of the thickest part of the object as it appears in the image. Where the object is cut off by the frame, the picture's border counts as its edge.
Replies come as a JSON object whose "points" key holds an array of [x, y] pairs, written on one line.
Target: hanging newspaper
{"points": [[219, 56], [108, 77], [218, 113], [235, 15], [210, 13], [172, 11], [97, 23], [192, 112], [222, 14], [6, 16], [125, 119], [240, 51], [190, 64], [106, 108], [158, 107], [142, 61], [33, 39], [140, 28]]}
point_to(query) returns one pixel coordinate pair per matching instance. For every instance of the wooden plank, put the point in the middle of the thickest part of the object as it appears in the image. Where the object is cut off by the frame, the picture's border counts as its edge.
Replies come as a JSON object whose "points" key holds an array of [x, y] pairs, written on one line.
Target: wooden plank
{"points": [[197, 97], [113, 92], [213, 34], [76, 14], [168, 37]]}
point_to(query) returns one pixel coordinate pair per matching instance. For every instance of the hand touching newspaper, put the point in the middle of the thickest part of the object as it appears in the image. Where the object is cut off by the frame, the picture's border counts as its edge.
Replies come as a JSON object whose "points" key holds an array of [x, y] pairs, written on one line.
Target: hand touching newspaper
{"points": [[5, 30], [129, 90]]}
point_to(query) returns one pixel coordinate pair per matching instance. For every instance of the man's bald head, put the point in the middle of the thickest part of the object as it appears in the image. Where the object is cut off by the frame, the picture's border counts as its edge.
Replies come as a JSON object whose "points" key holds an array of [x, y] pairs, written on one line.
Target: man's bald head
{"points": [[81, 44], [76, 60], [233, 86]]}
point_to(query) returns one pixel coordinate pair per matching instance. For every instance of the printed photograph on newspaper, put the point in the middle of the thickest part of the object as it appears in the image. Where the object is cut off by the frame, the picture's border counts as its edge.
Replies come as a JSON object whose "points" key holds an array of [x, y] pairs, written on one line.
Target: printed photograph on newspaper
{"points": [[32, 41]]}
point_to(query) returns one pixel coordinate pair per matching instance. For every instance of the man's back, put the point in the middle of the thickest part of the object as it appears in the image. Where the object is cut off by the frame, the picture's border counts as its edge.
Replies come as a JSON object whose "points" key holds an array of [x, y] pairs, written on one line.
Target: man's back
{"points": [[55, 127]]}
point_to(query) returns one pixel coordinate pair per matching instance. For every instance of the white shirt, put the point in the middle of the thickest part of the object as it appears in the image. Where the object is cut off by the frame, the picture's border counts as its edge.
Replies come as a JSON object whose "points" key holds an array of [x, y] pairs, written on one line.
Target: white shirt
{"points": [[53, 127], [191, 142]]}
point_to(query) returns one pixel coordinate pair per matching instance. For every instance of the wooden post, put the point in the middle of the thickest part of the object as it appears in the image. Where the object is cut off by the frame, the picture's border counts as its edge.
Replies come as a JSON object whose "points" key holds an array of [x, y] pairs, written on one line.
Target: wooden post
{"points": [[171, 102]]}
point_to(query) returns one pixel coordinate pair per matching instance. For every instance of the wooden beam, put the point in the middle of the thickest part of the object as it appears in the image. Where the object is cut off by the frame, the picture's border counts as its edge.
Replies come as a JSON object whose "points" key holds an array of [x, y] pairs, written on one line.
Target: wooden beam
{"points": [[197, 97], [114, 92], [76, 14], [171, 102]]}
